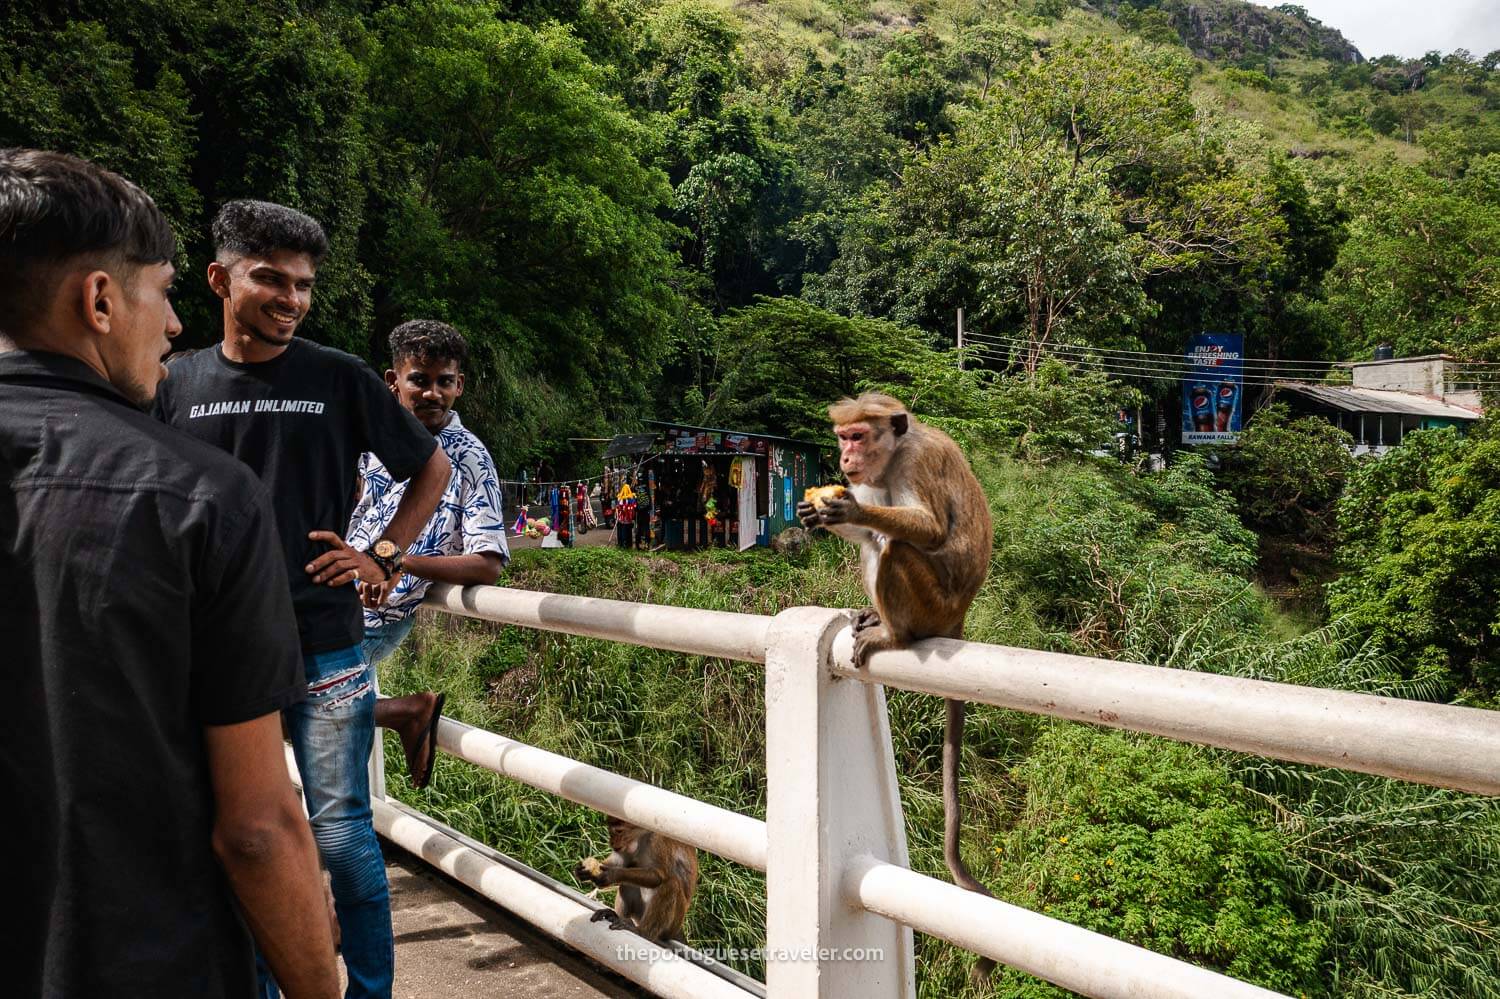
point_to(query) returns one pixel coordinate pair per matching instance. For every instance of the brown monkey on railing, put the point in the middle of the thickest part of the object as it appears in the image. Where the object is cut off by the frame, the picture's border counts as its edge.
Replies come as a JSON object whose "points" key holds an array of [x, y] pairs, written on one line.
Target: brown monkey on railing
{"points": [[655, 877], [922, 524]]}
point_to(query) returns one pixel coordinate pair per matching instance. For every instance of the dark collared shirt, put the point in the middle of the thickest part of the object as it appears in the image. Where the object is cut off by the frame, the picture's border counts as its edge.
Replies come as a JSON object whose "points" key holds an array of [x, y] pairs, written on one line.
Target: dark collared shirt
{"points": [[142, 597]]}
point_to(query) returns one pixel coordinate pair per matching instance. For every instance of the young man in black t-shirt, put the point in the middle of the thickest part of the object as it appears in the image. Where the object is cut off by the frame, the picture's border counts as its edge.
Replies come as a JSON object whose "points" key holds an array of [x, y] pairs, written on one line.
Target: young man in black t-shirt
{"points": [[147, 632], [300, 415]]}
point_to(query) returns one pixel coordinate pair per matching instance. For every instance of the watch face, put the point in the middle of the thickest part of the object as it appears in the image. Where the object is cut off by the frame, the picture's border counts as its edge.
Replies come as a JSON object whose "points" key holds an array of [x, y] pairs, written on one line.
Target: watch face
{"points": [[385, 549]]}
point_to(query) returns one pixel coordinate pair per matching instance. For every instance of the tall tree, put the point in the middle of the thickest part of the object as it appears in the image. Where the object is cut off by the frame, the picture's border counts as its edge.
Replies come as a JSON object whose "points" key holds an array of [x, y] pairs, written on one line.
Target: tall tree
{"points": [[515, 200]]}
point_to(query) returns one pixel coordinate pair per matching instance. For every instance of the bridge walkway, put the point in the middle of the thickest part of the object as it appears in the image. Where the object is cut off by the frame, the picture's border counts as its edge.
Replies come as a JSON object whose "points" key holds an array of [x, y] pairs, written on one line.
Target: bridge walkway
{"points": [[452, 943]]}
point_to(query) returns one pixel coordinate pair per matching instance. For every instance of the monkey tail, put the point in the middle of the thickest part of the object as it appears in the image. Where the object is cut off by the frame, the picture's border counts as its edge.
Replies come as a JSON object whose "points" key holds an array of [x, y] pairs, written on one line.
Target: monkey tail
{"points": [[953, 741]]}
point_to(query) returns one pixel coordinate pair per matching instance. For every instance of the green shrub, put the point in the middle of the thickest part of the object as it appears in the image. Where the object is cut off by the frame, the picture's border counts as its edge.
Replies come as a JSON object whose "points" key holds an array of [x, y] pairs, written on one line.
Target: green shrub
{"points": [[1287, 474], [1251, 78], [1152, 842], [1421, 557]]}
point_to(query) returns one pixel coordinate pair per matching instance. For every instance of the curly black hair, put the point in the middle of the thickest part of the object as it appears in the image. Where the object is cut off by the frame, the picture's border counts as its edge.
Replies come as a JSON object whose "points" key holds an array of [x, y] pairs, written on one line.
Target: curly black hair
{"points": [[256, 228], [428, 340]]}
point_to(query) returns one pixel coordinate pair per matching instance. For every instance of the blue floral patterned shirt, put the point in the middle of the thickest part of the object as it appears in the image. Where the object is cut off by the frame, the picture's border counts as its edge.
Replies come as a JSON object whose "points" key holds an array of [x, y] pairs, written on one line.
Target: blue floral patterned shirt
{"points": [[468, 519]]}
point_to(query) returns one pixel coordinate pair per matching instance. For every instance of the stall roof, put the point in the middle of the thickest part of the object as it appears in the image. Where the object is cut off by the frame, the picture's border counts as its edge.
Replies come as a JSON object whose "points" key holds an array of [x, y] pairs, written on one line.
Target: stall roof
{"points": [[630, 444], [740, 433], [1353, 400]]}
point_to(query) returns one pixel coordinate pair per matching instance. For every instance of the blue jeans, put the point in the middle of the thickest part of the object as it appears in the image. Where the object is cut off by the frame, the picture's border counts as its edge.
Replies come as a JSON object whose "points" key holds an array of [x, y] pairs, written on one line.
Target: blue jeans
{"points": [[332, 734], [380, 642]]}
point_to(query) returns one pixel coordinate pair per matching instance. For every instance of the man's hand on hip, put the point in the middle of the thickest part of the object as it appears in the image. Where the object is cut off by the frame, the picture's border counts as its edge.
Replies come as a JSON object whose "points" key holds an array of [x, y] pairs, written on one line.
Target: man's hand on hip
{"points": [[342, 565]]}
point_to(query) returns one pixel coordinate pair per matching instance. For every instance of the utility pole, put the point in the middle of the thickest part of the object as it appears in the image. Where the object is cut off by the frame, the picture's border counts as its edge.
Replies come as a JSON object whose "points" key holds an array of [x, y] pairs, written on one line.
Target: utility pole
{"points": [[960, 338]]}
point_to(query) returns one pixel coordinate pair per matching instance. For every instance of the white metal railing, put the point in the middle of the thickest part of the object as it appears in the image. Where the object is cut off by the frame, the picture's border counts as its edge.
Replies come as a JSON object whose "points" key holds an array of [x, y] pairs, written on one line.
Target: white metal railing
{"points": [[833, 844]]}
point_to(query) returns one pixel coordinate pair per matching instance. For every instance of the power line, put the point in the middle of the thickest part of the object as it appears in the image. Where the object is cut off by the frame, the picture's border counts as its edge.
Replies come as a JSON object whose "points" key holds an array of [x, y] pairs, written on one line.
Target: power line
{"points": [[1165, 361], [1470, 372], [1263, 365], [1139, 354], [1163, 371], [1162, 375], [1187, 368]]}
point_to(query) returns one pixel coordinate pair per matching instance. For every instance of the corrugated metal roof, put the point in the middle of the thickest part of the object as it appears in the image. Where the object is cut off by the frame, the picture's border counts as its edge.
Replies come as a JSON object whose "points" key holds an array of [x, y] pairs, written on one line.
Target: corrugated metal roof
{"points": [[738, 433], [624, 444], [1355, 400]]}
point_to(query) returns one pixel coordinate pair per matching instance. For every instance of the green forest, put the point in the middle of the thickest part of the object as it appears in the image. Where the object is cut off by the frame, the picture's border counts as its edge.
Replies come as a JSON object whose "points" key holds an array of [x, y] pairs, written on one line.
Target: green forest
{"points": [[731, 214]]}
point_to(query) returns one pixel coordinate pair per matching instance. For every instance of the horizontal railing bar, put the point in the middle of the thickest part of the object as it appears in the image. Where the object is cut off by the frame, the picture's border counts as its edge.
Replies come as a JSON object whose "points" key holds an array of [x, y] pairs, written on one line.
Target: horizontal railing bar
{"points": [[688, 953], [727, 834], [658, 969], [722, 634], [1086, 962], [1439, 744]]}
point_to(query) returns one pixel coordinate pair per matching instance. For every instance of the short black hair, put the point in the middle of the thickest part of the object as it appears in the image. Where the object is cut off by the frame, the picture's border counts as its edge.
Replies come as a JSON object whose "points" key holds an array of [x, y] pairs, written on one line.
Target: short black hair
{"points": [[257, 228], [56, 208], [428, 340]]}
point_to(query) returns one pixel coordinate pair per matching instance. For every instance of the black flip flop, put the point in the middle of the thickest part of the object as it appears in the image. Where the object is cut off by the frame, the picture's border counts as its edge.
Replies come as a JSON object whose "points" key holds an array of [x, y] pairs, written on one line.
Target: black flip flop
{"points": [[420, 780]]}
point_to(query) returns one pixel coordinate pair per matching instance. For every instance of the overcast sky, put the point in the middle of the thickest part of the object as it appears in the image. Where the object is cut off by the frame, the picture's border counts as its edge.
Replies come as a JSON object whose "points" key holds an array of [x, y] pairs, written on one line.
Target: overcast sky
{"points": [[1410, 27]]}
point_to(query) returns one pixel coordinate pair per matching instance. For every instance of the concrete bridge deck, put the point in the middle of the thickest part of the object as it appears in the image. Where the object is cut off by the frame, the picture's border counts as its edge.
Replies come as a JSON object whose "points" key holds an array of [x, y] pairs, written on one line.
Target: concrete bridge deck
{"points": [[452, 943]]}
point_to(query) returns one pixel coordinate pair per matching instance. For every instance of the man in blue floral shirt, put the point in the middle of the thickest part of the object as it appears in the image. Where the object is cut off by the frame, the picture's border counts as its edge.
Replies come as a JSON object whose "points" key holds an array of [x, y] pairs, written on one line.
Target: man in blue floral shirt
{"points": [[463, 543]]}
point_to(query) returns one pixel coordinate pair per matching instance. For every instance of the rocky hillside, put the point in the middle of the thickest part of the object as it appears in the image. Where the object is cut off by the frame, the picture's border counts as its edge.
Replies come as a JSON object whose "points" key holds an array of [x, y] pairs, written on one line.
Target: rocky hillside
{"points": [[1237, 31]]}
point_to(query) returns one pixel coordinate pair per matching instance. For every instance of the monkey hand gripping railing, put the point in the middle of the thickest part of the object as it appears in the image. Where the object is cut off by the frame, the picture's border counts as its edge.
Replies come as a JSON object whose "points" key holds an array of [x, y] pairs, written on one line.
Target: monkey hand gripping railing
{"points": [[841, 901]]}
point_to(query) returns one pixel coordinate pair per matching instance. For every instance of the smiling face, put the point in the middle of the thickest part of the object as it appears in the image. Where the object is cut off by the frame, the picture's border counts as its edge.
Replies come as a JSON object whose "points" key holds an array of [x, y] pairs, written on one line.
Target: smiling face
{"points": [[428, 388], [266, 297]]}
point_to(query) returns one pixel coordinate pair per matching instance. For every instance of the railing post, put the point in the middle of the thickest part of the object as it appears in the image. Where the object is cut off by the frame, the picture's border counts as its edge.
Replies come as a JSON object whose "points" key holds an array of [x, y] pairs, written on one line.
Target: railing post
{"points": [[831, 798]]}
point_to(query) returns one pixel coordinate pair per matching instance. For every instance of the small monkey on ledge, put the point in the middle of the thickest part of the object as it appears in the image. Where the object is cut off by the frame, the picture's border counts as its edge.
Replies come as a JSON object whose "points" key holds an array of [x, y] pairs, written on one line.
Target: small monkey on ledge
{"points": [[922, 524], [655, 877]]}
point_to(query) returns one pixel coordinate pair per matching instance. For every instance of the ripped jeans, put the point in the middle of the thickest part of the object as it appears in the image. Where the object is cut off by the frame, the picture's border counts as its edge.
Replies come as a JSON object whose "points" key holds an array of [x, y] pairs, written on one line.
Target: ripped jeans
{"points": [[332, 734]]}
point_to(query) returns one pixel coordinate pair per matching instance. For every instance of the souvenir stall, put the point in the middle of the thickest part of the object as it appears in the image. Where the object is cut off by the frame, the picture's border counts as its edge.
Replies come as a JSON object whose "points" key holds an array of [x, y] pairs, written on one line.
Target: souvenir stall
{"points": [[555, 512], [692, 487]]}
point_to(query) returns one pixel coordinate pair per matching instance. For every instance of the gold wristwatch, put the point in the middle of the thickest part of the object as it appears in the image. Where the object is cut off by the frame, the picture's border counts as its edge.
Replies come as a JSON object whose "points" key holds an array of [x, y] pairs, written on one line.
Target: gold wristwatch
{"points": [[386, 554]]}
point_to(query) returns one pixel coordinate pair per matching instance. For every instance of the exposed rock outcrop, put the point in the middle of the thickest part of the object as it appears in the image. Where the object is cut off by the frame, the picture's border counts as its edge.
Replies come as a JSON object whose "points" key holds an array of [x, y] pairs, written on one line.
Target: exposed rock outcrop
{"points": [[1233, 29]]}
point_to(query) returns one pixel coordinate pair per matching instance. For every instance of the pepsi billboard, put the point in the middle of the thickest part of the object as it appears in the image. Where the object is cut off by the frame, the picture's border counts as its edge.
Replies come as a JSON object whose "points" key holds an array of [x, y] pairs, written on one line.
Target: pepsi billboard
{"points": [[1213, 388]]}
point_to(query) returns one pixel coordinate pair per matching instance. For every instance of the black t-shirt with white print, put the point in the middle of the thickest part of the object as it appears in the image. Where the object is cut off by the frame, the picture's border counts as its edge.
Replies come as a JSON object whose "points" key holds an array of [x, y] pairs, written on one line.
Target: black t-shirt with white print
{"points": [[301, 421]]}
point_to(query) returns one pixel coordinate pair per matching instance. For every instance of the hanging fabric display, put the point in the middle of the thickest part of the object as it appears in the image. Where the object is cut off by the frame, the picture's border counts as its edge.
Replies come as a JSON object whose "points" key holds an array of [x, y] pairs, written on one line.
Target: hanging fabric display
{"points": [[749, 527], [708, 485], [651, 499], [625, 504], [585, 508], [563, 503]]}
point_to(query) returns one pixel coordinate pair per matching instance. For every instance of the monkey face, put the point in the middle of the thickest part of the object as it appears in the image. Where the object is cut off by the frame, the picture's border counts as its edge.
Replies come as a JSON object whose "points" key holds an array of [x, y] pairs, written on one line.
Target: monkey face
{"points": [[864, 449], [622, 834]]}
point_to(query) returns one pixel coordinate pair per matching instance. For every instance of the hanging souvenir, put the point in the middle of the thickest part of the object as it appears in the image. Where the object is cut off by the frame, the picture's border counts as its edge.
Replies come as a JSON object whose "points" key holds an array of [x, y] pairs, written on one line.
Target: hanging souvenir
{"points": [[708, 485], [652, 500], [563, 504], [586, 508], [711, 513], [625, 504]]}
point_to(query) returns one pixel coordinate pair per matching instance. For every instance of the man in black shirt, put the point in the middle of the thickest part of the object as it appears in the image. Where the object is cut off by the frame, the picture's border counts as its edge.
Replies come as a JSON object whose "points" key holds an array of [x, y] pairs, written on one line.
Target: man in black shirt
{"points": [[300, 415], [147, 634]]}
